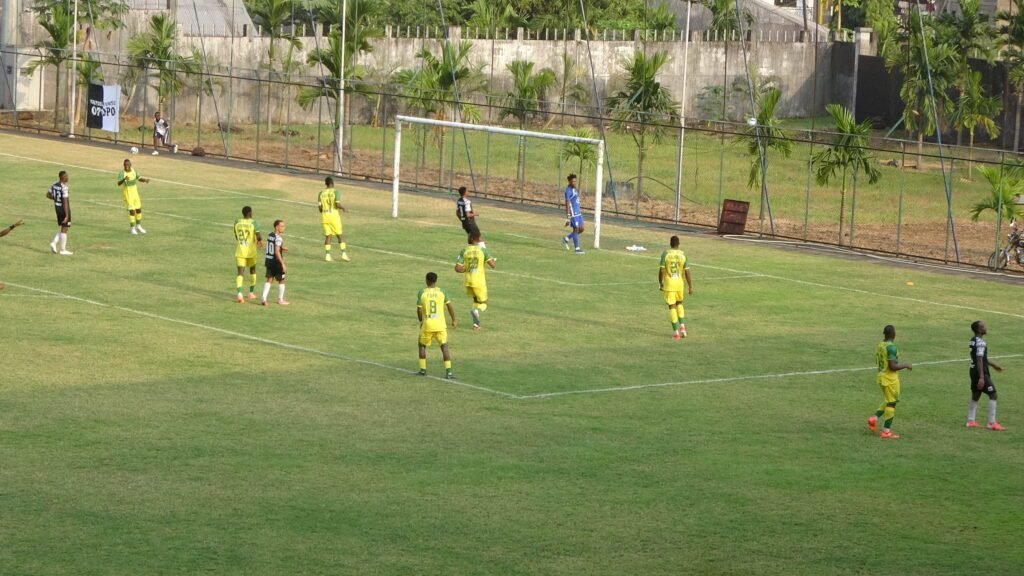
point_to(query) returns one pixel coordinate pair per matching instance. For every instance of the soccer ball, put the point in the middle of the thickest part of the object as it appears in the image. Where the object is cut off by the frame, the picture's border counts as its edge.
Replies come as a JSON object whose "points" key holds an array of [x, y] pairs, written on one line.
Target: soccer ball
{"points": [[134, 150]]}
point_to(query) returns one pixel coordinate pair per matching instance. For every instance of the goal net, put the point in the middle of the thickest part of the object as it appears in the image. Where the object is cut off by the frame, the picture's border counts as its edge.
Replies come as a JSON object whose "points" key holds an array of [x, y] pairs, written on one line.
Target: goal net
{"points": [[480, 155]]}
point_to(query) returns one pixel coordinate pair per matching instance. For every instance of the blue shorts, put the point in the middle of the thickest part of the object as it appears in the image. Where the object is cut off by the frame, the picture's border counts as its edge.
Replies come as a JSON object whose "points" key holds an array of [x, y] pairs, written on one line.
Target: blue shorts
{"points": [[576, 221]]}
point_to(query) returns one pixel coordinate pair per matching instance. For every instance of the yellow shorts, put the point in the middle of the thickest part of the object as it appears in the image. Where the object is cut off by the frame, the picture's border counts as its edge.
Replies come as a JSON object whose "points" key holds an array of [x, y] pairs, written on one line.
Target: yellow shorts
{"points": [[245, 262], [890, 389], [477, 293], [673, 297], [331, 227], [427, 337], [131, 200]]}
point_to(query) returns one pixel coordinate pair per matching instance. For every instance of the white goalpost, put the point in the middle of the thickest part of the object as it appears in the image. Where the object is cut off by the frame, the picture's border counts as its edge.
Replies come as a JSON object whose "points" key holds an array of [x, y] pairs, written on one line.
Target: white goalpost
{"points": [[598, 178]]}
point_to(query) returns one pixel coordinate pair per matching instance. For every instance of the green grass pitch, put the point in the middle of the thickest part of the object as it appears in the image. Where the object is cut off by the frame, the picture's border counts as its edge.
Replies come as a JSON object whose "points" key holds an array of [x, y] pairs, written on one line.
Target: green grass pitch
{"points": [[149, 424]]}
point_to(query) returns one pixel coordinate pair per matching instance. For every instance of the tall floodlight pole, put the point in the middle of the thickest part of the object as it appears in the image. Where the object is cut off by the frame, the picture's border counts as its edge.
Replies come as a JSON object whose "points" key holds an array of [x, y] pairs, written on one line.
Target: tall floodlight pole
{"points": [[682, 111], [74, 72], [341, 93]]}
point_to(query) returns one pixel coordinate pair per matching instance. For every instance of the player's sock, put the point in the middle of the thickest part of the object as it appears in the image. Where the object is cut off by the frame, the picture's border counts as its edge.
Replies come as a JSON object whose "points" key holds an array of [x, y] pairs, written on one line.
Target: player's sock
{"points": [[266, 291], [56, 237], [131, 220], [63, 241], [679, 310], [575, 240], [342, 246], [991, 411], [252, 283], [138, 218], [327, 249], [890, 413], [972, 410], [238, 283], [674, 316], [474, 314], [879, 412], [423, 363], [448, 366], [280, 291]]}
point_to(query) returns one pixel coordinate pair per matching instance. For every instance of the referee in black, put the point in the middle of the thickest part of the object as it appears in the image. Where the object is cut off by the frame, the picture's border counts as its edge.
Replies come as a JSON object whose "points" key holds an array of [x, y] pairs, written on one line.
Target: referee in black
{"points": [[464, 210]]}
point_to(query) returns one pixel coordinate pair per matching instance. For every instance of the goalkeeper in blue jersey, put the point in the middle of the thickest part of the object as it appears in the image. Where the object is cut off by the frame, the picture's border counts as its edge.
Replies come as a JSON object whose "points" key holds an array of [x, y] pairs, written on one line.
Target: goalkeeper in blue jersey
{"points": [[573, 215]]}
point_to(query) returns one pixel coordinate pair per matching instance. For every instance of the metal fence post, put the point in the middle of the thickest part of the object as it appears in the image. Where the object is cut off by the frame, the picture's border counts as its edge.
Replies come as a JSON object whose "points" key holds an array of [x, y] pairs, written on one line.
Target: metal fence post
{"points": [[259, 114], [999, 211], [899, 208], [487, 163]]}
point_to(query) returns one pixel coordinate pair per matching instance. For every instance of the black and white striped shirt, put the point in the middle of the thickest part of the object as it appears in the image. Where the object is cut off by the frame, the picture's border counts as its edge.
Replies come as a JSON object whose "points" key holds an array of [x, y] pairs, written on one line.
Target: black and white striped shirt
{"points": [[59, 193], [463, 207], [273, 241], [979, 354]]}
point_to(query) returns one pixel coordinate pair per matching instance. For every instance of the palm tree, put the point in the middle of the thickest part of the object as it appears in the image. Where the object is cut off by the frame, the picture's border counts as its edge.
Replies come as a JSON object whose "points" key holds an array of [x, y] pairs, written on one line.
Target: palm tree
{"points": [[1003, 191], [90, 70], [766, 135], [1011, 30], [431, 89], [490, 15], [570, 88], [582, 152], [271, 16], [848, 153], [57, 21], [975, 109], [916, 65], [154, 49], [643, 107], [327, 59], [524, 100], [970, 32]]}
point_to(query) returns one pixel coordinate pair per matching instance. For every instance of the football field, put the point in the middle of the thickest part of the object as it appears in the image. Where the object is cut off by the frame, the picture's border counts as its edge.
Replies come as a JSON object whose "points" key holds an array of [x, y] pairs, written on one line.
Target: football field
{"points": [[150, 424]]}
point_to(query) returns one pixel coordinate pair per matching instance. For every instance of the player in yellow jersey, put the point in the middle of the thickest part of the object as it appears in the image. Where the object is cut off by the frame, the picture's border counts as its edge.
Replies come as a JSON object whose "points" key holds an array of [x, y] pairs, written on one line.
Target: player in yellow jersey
{"points": [[887, 359], [430, 304], [247, 238], [330, 218], [128, 179], [673, 269], [471, 263]]}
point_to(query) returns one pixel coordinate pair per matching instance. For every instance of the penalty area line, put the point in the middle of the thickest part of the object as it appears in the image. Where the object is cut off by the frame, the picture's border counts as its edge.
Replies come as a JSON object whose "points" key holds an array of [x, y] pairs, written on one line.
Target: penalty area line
{"points": [[267, 341], [736, 379]]}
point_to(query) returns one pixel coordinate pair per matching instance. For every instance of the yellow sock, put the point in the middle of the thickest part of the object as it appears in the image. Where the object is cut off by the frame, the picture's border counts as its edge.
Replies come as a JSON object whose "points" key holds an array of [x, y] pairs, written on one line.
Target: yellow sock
{"points": [[342, 246], [327, 248], [481, 306], [674, 317], [423, 363], [447, 365], [138, 217], [679, 312], [252, 283], [131, 219], [238, 283]]}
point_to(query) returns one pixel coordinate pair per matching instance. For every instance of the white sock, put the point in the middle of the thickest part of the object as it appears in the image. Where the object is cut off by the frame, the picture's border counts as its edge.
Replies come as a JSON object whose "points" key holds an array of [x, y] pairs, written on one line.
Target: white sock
{"points": [[280, 291], [972, 410], [266, 291], [63, 241], [56, 237], [991, 411]]}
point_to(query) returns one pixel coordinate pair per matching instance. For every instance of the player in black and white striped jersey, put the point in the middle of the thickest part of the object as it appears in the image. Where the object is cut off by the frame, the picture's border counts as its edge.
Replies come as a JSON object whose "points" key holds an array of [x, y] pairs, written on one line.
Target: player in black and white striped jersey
{"points": [[58, 193], [467, 216]]}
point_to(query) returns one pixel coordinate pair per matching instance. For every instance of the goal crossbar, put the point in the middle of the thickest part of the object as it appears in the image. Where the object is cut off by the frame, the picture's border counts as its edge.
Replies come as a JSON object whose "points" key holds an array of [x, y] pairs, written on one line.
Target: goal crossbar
{"points": [[599, 180]]}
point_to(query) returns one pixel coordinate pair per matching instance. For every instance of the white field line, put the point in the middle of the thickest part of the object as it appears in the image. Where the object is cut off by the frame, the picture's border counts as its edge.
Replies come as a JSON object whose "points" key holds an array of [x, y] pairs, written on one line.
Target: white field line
{"points": [[49, 296], [176, 198], [267, 341], [736, 379]]}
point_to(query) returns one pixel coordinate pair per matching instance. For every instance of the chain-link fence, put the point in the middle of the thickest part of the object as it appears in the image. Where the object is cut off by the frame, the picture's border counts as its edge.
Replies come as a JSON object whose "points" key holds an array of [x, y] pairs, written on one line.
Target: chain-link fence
{"points": [[921, 206]]}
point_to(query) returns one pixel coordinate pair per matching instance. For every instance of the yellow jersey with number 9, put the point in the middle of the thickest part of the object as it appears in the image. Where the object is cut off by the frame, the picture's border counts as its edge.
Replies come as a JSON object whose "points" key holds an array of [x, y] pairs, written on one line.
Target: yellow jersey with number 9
{"points": [[431, 301], [674, 263], [245, 237], [473, 259]]}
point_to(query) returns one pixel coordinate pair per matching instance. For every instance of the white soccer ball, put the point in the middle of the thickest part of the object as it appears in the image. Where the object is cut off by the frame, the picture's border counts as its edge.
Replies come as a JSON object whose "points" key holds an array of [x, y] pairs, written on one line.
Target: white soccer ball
{"points": [[134, 150], [752, 121]]}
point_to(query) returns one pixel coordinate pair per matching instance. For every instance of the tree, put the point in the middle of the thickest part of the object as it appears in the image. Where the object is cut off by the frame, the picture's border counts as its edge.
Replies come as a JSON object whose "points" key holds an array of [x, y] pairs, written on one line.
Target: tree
{"points": [[491, 16], [643, 107], [154, 50], [271, 16], [441, 86], [924, 101], [524, 100], [766, 135], [57, 21], [570, 87], [1011, 30], [584, 153], [848, 153], [1003, 191], [90, 70], [975, 109], [327, 59]]}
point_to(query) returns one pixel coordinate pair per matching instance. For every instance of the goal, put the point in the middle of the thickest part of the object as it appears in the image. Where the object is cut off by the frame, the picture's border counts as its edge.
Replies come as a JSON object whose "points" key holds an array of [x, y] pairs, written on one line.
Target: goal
{"points": [[599, 168]]}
